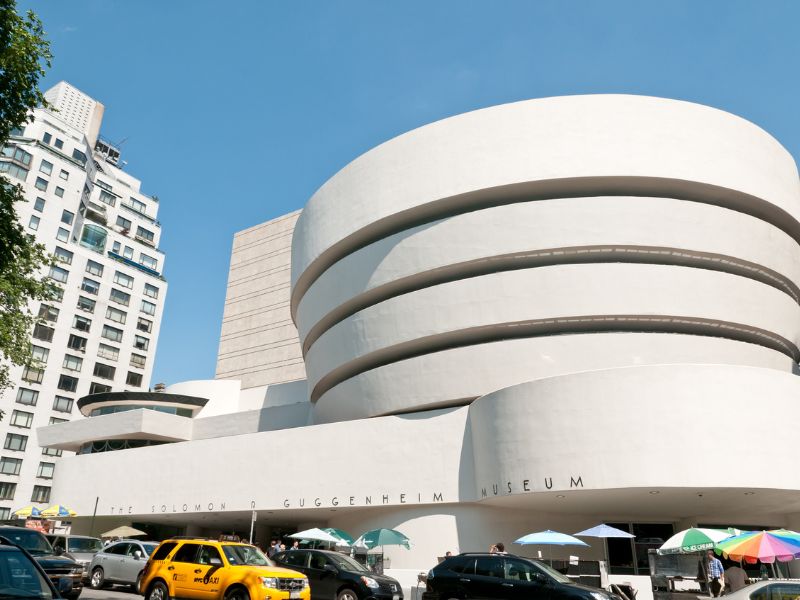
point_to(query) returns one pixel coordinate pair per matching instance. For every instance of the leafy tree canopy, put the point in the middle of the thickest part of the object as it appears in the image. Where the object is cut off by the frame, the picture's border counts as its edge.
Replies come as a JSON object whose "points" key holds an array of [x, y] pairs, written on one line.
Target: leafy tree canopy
{"points": [[24, 53]]}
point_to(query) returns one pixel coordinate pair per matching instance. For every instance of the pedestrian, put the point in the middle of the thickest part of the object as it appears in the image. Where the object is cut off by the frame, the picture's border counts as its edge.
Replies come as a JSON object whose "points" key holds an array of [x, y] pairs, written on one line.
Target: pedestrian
{"points": [[273, 548], [498, 548], [295, 546], [448, 554], [283, 547], [735, 578], [716, 574]]}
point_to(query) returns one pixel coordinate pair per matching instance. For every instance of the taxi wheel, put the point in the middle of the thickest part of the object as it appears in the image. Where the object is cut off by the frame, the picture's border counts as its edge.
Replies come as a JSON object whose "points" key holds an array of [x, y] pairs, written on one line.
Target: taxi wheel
{"points": [[237, 594], [347, 595], [158, 591], [98, 579]]}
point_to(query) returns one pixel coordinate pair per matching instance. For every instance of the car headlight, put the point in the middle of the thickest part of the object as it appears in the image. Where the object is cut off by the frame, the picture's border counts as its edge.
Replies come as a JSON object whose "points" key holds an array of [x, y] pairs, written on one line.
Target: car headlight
{"points": [[305, 582], [269, 582], [78, 570], [372, 584], [599, 596]]}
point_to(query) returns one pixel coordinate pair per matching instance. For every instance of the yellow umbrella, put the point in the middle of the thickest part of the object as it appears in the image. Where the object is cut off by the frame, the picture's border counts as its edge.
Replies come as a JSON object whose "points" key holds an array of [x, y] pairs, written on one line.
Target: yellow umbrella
{"points": [[58, 510], [27, 511]]}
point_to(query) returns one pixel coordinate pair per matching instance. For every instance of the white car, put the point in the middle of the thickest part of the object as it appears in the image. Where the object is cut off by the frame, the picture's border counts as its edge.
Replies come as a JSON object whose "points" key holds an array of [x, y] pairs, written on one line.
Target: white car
{"points": [[767, 590], [120, 563]]}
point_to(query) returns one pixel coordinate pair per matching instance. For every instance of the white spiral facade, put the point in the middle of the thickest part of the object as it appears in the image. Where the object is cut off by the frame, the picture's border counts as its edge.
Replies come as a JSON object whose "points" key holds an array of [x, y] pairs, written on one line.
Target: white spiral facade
{"points": [[545, 238]]}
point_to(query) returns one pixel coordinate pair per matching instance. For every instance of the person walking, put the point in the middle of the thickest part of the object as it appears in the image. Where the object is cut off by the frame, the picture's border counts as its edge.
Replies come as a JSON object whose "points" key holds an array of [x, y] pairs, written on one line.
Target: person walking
{"points": [[716, 574], [735, 578]]}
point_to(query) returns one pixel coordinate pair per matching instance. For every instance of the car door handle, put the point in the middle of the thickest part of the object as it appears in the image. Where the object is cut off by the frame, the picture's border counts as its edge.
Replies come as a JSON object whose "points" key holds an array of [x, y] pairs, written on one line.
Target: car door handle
{"points": [[508, 585], [464, 580], [198, 570], [170, 568]]}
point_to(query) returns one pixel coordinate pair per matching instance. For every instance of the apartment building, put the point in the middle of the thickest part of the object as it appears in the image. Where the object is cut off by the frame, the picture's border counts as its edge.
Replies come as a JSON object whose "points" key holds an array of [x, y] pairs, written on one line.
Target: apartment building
{"points": [[99, 332]]}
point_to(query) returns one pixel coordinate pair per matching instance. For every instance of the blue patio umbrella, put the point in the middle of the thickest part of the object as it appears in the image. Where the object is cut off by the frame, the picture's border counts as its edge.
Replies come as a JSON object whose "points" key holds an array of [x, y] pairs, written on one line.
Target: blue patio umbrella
{"points": [[605, 531], [550, 538]]}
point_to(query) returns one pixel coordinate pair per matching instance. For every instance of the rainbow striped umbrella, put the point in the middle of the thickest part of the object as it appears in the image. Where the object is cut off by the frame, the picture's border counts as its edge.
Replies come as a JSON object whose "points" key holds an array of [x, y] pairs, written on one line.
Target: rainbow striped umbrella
{"points": [[766, 546]]}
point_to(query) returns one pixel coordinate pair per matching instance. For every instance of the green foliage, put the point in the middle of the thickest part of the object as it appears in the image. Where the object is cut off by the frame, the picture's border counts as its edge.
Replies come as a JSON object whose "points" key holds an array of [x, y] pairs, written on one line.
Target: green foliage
{"points": [[24, 53]]}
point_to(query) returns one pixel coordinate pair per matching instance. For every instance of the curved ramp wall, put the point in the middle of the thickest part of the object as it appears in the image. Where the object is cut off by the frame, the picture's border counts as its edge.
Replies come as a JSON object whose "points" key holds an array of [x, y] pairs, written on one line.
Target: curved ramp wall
{"points": [[541, 238]]}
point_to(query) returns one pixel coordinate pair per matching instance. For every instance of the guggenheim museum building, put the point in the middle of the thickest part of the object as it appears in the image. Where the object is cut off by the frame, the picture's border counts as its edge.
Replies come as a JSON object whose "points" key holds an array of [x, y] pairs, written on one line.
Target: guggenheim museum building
{"points": [[540, 315]]}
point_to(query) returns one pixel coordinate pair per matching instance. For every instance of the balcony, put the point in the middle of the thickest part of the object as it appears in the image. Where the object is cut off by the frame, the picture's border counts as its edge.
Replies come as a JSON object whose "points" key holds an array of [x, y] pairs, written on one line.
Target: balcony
{"points": [[95, 212]]}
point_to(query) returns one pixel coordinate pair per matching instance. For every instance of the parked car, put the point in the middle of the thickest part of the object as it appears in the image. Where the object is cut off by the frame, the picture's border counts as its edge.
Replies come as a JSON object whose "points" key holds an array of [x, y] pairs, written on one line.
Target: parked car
{"points": [[65, 573], [21, 576], [80, 548], [767, 590], [217, 570], [504, 577], [336, 575], [119, 563]]}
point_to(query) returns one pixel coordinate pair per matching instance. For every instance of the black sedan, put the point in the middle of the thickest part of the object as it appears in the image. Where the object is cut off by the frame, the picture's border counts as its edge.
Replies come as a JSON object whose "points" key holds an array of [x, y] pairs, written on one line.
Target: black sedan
{"points": [[336, 576]]}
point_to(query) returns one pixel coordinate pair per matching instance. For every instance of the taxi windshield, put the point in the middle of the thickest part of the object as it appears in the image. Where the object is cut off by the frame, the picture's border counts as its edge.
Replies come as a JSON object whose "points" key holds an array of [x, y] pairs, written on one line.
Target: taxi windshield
{"points": [[246, 555]]}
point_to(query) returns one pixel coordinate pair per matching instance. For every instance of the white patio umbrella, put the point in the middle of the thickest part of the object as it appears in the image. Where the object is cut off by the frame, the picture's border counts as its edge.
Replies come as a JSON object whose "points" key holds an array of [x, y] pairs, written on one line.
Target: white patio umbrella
{"points": [[123, 532], [605, 531], [550, 538], [316, 535]]}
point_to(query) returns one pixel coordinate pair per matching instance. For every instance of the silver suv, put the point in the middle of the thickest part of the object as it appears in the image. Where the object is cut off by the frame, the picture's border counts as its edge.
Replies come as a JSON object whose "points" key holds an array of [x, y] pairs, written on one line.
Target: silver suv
{"points": [[121, 562], [80, 548]]}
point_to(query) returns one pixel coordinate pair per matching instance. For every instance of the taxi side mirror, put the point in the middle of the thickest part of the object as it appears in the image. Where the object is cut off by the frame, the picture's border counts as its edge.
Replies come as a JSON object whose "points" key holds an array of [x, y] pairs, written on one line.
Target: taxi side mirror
{"points": [[215, 562]]}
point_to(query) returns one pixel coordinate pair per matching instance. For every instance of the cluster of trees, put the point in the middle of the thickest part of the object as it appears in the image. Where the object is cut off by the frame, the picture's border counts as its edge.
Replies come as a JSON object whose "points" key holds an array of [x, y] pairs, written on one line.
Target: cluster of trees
{"points": [[24, 56]]}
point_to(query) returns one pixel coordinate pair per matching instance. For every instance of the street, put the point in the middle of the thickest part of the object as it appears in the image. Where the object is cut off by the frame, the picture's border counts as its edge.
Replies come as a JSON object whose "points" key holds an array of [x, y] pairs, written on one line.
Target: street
{"points": [[108, 594]]}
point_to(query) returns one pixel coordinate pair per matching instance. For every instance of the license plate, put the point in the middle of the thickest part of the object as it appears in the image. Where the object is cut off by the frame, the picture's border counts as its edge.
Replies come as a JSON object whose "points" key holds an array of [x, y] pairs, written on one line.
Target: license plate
{"points": [[294, 594], [395, 596]]}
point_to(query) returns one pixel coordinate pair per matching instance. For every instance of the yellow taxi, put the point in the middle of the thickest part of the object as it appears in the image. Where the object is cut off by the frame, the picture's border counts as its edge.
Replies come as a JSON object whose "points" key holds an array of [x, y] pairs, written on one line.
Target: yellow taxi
{"points": [[217, 570]]}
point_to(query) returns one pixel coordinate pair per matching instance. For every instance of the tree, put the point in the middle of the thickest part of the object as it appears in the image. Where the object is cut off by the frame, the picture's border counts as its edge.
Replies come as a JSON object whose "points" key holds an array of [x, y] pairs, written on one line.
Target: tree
{"points": [[24, 53]]}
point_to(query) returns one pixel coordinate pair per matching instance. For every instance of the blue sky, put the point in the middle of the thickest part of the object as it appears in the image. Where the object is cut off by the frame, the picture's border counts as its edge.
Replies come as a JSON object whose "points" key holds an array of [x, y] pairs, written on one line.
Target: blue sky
{"points": [[236, 112]]}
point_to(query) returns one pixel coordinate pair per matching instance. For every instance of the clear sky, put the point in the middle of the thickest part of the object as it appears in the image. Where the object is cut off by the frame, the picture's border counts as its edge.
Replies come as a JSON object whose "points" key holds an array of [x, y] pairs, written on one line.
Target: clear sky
{"points": [[235, 112]]}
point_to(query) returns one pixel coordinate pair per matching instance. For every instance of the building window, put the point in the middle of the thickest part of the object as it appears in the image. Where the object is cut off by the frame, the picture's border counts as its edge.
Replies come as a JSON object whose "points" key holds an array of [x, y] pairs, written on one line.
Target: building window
{"points": [[46, 167], [41, 184], [18, 154], [138, 361], [64, 175], [33, 223], [141, 343], [46, 138], [144, 325], [124, 223], [43, 332], [112, 333], [62, 404], [56, 420], [62, 235], [67, 383], [59, 192], [136, 205], [59, 144], [27, 397], [15, 441], [144, 235], [127, 252], [32, 375], [14, 170], [56, 293], [86, 304], [40, 354], [107, 198], [123, 279], [10, 466], [81, 323], [94, 237], [99, 388], [46, 470], [38, 204], [90, 286], [104, 371], [79, 156], [72, 363], [48, 313], [116, 315], [58, 274], [64, 255], [134, 379], [120, 297], [67, 217], [148, 308], [94, 268], [150, 290], [7, 490], [20, 418], [77, 342], [51, 452], [109, 352], [102, 184], [148, 261], [115, 247], [41, 493]]}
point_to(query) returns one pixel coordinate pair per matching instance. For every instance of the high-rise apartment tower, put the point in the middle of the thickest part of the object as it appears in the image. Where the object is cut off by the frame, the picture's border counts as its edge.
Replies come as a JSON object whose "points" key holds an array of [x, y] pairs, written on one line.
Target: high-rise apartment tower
{"points": [[99, 333]]}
